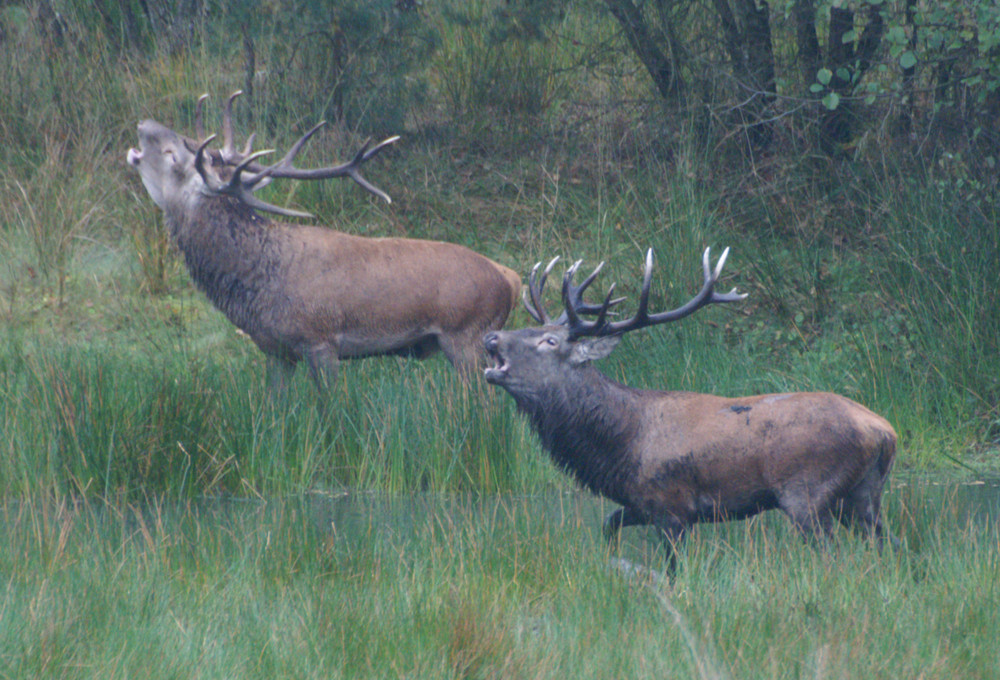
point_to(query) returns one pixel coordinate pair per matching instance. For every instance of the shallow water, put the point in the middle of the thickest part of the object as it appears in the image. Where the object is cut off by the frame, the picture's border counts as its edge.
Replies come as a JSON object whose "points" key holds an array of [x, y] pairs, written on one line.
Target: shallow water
{"points": [[977, 500], [359, 514]]}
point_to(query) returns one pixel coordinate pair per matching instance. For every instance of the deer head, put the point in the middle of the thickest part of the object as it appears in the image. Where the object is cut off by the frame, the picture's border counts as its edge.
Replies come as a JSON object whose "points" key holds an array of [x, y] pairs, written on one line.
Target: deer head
{"points": [[177, 170]]}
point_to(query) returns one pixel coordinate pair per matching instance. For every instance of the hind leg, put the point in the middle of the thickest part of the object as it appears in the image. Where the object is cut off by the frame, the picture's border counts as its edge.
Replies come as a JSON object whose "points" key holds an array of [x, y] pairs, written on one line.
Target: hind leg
{"points": [[810, 515], [464, 351], [861, 508]]}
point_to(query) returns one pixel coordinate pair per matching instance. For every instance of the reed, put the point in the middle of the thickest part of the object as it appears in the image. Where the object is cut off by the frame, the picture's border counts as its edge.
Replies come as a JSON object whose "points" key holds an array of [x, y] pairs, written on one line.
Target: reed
{"points": [[471, 586]]}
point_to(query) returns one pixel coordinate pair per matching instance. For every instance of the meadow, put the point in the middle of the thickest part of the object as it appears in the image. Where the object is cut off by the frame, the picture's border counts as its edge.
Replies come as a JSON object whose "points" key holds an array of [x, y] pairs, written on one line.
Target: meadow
{"points": [[158, 507]]}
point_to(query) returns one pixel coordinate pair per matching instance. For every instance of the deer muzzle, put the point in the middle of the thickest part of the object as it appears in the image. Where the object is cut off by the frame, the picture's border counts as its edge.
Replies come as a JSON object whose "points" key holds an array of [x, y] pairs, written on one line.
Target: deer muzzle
{"points": [[498, 371]]}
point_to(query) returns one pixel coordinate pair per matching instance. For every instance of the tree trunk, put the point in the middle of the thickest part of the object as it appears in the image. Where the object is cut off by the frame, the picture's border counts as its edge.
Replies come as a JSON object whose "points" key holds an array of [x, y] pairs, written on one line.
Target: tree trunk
{"points": [[640, 38], [847, 61], [752, 59]]}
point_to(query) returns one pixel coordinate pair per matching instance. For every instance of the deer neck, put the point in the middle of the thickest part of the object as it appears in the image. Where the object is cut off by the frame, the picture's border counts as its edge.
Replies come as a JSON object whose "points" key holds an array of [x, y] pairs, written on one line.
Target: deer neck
{"points": [[231, 253], [587, 424]]}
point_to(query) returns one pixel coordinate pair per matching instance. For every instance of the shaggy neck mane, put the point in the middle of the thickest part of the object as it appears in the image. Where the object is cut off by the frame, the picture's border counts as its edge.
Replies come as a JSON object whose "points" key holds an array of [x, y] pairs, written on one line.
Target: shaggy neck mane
{"points": [[230, 253], [587, 428]]}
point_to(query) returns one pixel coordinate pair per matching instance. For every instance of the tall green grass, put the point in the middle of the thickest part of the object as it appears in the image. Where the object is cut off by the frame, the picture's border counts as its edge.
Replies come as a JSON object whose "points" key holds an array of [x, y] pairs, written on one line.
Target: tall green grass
{"points": [[483, 586], [116, 423], [117, 379], [940, 265]]}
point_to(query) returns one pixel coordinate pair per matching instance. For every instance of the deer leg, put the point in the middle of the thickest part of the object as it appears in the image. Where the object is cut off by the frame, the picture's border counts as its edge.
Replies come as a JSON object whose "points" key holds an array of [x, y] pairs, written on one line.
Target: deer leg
{"points": [[463, 351], [672, 532], [279, 374], [621, 518], [811, 523], [810, 516], [861, 507], [323, 361]]}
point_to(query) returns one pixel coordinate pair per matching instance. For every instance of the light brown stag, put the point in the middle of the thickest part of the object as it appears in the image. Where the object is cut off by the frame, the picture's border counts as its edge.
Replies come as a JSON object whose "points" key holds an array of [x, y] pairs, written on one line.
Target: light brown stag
{"points": [[310, 292], [673, 459]]}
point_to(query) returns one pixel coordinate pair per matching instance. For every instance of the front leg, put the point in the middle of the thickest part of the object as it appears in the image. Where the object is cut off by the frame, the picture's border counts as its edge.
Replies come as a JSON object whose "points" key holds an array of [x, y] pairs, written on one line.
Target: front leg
{"points": [[323, 360], [672, 532]]}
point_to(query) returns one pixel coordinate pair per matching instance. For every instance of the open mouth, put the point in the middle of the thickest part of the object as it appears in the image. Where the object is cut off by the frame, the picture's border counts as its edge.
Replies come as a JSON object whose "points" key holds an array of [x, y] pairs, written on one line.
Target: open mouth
{"points": [[498, 371]]}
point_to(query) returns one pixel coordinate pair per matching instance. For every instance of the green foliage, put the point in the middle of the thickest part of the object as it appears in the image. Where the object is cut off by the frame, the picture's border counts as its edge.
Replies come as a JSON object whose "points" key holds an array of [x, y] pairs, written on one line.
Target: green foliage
{"points": [[360, 63], [497, 59]]}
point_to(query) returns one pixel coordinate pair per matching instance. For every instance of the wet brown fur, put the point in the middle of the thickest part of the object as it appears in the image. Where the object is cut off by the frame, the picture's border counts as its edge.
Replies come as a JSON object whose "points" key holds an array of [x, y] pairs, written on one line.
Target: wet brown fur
{"points": [[673, 459]]}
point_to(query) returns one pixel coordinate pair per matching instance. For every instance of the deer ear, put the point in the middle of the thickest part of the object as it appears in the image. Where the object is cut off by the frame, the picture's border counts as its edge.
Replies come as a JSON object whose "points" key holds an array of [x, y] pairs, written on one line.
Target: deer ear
{"points": [[595, 348]]}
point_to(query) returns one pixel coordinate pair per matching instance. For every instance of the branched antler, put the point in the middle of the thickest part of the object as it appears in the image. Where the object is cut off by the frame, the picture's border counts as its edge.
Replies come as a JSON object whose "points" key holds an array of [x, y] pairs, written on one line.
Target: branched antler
{"points": [[536, 287], [575, 307], [249, 175]]}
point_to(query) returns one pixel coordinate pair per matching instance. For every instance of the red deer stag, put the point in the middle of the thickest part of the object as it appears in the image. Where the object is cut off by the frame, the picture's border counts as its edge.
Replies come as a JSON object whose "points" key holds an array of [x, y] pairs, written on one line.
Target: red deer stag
{"points": [[309, 292], [673, 459]]}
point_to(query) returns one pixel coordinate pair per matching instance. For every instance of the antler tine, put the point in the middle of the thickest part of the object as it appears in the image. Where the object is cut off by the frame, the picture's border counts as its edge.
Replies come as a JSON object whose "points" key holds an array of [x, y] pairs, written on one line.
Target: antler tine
{"points": [[579, 327], [228, 148], [647, 282], [248, 147], [363, 155], [587, 281], [199, 165], [199, 121], [584, 307], [286, 160], [244, 164], [255, 202], [732, 295], [574, 304], [535, 289]]}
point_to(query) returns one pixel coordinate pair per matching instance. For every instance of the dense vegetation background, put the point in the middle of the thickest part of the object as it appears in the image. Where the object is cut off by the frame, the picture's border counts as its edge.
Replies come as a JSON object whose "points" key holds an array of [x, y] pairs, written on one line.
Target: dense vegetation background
{"points": [[846, 151]]}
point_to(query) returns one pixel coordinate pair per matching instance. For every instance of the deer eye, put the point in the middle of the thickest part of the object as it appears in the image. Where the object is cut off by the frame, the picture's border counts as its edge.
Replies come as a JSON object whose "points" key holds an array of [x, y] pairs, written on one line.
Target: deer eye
{"points": [[551, 342]]}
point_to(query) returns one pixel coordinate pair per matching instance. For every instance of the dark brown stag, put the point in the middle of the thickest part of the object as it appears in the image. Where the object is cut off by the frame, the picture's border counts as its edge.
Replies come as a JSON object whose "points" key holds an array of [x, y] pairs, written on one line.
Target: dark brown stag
{"points": [[309, 292], [673, 459]]}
